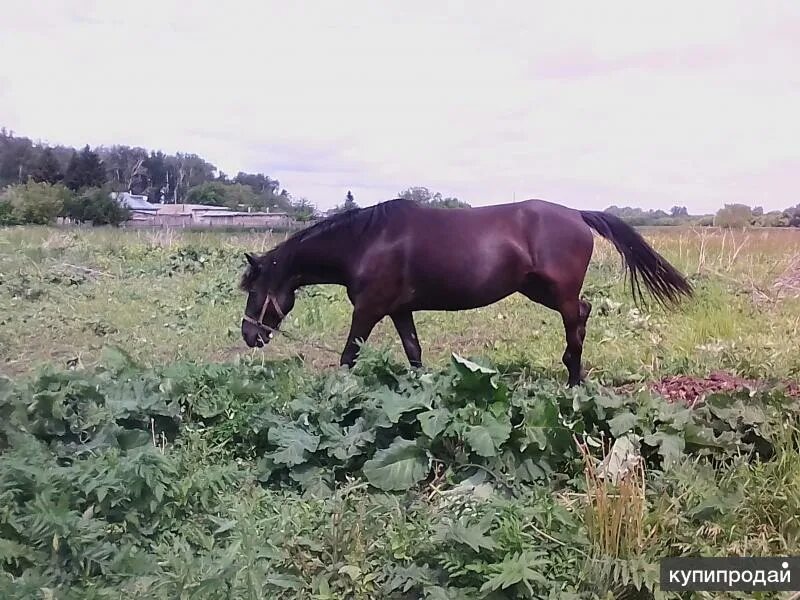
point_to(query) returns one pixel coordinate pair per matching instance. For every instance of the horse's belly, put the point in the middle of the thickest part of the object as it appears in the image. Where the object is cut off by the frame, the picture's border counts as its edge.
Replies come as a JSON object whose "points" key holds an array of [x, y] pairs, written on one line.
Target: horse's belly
{"points": [[463, 291], [448, 273]]}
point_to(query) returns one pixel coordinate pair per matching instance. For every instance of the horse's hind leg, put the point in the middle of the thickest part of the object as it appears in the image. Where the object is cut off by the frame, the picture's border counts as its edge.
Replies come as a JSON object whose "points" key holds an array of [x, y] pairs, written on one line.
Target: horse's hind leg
{"points": [[574, 314], [584, 310], [575, 329]]}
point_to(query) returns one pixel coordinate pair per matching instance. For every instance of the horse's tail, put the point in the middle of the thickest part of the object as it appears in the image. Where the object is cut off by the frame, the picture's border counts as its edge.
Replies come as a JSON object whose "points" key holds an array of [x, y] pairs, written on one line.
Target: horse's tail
{"points": [[662, 280]]}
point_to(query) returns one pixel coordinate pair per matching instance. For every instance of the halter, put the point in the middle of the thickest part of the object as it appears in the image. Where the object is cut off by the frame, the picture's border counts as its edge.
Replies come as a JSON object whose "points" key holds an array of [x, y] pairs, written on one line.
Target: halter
{"points": [[272, 330], [270, 299]]}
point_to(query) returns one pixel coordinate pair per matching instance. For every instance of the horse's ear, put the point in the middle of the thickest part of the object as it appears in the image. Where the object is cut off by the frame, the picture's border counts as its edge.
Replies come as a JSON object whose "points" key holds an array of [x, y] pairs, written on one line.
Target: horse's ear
{"points": [[251, 259]]}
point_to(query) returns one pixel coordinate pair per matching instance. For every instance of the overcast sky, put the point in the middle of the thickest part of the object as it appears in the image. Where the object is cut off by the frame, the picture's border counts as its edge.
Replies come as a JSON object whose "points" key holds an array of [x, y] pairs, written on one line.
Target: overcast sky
{"points": [[583, 103]]}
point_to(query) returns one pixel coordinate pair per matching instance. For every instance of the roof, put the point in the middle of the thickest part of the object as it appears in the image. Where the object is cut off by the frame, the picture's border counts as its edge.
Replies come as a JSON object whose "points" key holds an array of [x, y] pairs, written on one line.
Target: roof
{"points": [[135, 202], [245, 214], [189, 208]]}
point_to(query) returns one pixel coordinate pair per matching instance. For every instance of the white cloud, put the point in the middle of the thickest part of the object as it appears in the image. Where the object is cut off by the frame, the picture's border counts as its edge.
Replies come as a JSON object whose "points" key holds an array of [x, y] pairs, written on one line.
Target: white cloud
{"points": [[584, 104]]}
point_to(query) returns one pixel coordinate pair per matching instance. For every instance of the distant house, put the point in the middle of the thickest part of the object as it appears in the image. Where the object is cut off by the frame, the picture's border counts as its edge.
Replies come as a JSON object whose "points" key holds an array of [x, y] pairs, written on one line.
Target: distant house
{"points": [[141, 210], [135, 202], [144, 214], [244, 219]]}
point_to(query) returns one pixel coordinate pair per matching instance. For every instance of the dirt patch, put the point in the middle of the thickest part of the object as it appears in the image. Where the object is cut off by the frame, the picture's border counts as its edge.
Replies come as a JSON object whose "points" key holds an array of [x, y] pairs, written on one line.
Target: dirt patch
{"points": [[691, 390]]}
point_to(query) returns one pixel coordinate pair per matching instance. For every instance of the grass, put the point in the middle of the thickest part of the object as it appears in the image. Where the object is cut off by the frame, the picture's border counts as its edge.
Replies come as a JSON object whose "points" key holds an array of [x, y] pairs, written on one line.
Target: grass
{"points": [[197, 468], [150, 293]]}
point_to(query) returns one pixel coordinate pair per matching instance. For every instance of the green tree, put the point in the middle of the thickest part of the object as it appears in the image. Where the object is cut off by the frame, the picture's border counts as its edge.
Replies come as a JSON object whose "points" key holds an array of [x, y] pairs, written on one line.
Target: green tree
{"points": [[16, 155], [210, 193], [733, 216], [47, 169], [449, 202], [37, 203], [678, 211], [423, 195], [7, 215], [303, 210], [637, 217], [95, 205], [85, 170], [775, 218], [217, 193], [133, 169], [792, 216]]}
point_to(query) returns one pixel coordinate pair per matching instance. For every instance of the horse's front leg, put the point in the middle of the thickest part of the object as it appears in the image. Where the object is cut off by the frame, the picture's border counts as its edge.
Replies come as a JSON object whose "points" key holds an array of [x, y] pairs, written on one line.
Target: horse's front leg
{"points": [[361, 325], [404, 323]]}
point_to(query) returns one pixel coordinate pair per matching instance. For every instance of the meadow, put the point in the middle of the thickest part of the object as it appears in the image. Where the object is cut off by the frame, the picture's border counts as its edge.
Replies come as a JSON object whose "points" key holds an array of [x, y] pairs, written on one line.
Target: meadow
{"points": [[145, 452]]}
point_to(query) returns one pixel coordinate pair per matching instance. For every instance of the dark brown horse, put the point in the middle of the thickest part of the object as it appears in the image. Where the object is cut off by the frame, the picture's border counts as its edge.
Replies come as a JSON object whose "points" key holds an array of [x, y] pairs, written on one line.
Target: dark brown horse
{"points": [[398, 257]]}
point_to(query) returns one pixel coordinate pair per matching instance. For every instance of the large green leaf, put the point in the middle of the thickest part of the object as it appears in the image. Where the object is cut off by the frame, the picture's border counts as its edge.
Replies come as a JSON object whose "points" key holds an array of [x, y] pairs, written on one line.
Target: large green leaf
{"points": [[487, 437], [347, 443], [395, 405], [622, 423], [522, 567], [473, 536], [434, 421], [314, 480], [6, 386], [464, 364], [732, 409], [540, 421], [397, 467], [699, 435], [475, 377], [670, 446], [293, 444], [528, 471], [285, 581]]}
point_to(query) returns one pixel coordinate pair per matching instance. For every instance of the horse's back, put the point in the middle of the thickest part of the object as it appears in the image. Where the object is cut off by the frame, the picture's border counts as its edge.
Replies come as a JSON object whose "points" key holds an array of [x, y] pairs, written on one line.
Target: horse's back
{"points": [[543, 229]]}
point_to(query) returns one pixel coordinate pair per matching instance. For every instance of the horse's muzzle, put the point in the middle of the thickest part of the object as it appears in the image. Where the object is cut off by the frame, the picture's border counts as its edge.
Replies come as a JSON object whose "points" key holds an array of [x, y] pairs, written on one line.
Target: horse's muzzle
{"points": [[253, 336]]}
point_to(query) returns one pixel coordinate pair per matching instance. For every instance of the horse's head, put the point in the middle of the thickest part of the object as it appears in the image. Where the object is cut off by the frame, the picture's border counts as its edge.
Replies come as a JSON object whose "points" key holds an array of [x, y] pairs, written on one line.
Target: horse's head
{"points": [[269, 299]]}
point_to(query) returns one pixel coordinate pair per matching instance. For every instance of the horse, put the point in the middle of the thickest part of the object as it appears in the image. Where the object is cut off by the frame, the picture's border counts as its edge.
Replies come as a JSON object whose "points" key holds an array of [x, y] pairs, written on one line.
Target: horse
{"points": [[398, 257]]}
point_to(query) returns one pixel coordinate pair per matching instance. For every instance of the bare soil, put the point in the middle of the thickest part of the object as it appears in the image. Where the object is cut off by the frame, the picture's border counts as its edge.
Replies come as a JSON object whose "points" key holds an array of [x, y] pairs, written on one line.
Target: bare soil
{"points": [[691, 390]]}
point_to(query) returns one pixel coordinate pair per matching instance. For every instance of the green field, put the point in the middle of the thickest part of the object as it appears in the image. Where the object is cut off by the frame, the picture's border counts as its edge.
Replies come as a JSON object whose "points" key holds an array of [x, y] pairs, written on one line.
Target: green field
{"points": [[147, 453]]}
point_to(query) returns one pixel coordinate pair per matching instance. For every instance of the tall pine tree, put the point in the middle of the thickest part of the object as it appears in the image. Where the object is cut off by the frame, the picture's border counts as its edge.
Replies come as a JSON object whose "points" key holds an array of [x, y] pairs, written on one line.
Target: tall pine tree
{"points": [[47, 169], [84, 170]]}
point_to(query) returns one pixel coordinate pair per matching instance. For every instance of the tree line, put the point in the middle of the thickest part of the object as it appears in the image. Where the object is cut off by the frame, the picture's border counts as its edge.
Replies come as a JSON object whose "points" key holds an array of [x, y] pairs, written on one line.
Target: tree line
{"points": [[39, 183], [419, 194], [163, 178], [729, 216]]}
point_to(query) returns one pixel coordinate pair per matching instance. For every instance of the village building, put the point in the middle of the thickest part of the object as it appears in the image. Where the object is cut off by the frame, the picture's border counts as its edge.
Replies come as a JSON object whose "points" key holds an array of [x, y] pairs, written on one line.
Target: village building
{"points": [[146, 214]]}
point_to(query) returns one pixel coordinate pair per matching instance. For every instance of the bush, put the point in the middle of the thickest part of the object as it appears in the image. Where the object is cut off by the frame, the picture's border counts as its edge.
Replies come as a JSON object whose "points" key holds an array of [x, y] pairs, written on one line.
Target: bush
{"points": [[260, 480], [95, 205], [774, 218], [216, 193], [7, 216], [36, 203], [734, 215], [707, 221]]}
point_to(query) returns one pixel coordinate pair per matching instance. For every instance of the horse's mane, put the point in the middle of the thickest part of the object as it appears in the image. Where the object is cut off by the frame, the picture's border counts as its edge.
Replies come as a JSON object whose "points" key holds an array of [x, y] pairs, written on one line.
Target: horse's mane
{"points": [[368, 217], [365, 219]]}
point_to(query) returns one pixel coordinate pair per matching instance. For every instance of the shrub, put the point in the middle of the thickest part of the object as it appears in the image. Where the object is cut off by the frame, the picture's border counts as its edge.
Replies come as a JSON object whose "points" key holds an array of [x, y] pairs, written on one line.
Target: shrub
{"points": [[216, 193], [95, 205], [734, 215], [36, 203], [7, 216]]}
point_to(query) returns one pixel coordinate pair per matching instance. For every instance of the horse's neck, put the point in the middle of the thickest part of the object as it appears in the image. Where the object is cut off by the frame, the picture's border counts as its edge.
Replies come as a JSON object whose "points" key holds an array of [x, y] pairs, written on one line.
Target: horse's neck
{"points": [[321, 261]]}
